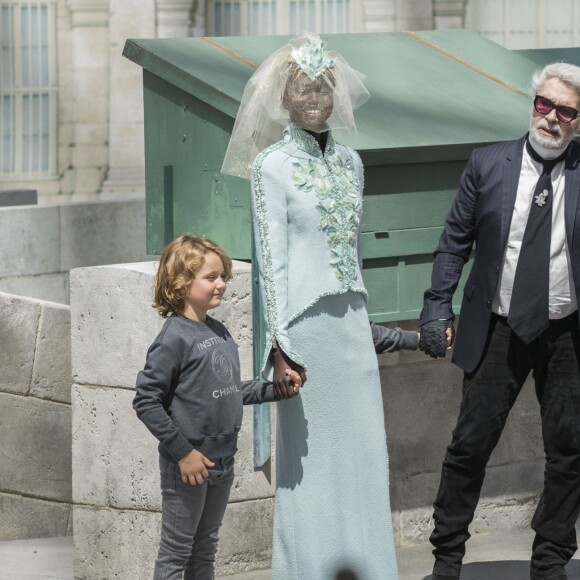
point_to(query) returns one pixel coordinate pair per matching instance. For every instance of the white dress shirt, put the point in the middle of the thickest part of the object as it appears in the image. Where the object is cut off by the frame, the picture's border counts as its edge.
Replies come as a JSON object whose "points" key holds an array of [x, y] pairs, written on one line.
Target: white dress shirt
{"points": [[562, 299]]}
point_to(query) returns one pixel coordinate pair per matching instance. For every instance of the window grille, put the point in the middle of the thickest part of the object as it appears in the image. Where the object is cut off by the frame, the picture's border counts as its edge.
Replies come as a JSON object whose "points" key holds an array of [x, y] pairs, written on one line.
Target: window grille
{"points": [[28, 89], [523, 24], [449, 9], [263, 17]]}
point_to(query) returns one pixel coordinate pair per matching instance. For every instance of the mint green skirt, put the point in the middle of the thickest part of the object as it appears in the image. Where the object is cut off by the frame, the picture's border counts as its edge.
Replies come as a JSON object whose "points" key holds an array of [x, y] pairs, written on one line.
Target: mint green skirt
{"points": [[332, 509]]}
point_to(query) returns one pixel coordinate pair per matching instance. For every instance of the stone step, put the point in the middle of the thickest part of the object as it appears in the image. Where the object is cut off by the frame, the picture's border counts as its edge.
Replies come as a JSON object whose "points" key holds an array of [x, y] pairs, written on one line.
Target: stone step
{"points": [[502, 555]]}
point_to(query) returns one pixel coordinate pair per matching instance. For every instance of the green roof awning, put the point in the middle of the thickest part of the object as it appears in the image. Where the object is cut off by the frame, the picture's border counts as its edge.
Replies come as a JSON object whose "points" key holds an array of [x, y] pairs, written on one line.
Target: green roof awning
{"points": [[439, 91]]}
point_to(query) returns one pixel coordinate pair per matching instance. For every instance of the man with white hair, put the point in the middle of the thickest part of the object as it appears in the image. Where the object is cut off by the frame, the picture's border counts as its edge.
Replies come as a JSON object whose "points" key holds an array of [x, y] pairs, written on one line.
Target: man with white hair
{"points": [[519, 203]]}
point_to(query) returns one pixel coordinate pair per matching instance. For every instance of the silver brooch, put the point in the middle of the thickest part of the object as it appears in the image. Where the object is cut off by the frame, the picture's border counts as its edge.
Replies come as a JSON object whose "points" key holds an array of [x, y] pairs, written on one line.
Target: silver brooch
{"points": [[541, 198]]}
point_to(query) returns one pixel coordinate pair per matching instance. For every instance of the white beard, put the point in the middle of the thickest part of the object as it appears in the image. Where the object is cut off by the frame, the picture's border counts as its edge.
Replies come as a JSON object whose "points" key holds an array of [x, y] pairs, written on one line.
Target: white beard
{"points": [[558, 142]]}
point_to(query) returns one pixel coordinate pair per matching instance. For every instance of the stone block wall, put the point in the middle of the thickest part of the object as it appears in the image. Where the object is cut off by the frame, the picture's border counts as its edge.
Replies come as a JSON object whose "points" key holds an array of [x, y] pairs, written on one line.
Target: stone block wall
{"points": [[40, 244], [116, 498], [35, 419], [116, 493], [421, 399]]}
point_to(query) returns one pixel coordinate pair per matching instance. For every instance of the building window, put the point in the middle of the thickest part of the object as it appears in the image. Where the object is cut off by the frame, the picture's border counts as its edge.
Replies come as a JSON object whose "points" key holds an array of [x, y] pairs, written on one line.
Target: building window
{"points": [[264, 17], [448, 13], [28, 89], [523, 24]]}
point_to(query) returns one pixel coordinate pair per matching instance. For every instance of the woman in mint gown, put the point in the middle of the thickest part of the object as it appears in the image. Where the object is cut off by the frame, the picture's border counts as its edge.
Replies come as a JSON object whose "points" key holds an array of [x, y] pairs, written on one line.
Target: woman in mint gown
{"points": [[332, 509]]}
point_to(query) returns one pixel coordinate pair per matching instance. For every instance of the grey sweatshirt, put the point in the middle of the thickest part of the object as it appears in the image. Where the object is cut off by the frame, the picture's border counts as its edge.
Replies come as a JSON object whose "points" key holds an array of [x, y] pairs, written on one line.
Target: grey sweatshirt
{"points": [[190, 395], [393, 339]]}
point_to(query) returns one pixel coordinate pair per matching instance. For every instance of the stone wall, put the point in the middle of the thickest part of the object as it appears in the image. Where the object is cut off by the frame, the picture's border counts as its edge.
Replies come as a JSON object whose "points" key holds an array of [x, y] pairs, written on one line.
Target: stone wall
{"points": [[421, 401], [35, 419], [40, 244], [116, 498], [115, 473]]}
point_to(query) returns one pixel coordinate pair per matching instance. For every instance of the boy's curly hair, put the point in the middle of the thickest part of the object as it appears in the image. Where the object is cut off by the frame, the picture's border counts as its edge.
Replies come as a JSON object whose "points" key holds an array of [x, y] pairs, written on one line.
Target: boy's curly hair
{"points": [[179, 263]]}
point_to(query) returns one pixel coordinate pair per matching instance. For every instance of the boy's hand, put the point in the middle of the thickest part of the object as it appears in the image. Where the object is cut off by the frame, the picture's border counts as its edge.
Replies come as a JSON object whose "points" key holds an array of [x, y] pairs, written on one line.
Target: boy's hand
{"points": [[295, 382], [450, 333], [194, 466]]}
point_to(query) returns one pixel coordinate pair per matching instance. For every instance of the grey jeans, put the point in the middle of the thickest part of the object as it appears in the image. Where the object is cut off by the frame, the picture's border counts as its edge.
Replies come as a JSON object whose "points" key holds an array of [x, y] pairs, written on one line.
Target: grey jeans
{"points": [[191, 516]]}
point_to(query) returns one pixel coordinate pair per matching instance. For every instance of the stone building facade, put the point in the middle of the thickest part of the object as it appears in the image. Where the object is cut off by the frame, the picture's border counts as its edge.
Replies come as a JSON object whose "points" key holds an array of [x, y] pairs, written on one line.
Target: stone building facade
{"points": [[94, 133]]}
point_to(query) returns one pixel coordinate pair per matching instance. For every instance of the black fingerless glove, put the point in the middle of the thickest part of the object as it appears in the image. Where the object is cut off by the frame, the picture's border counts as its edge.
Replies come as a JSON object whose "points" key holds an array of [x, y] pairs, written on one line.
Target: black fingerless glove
{"points": [[433, 340]]}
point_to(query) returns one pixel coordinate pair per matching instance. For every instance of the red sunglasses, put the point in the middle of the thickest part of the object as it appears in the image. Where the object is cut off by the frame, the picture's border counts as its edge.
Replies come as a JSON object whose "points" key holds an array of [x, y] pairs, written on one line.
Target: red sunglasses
{"points": [[564, 114]]}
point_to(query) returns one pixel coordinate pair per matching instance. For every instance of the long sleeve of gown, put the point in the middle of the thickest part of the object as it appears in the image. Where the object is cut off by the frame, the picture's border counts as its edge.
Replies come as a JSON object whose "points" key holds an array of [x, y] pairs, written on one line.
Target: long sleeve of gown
{"points": [[270, 220], [359, 170]]}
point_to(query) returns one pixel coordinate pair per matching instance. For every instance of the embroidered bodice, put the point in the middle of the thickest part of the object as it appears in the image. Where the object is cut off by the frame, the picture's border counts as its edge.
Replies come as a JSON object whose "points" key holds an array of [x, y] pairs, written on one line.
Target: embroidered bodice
{"points": [[307, 208]]}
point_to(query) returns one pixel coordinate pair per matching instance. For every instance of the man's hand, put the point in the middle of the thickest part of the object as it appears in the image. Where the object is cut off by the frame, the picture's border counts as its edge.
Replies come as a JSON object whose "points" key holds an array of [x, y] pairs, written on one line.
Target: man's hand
{"points": [[286, 375], [194, 466], [436, 337]]}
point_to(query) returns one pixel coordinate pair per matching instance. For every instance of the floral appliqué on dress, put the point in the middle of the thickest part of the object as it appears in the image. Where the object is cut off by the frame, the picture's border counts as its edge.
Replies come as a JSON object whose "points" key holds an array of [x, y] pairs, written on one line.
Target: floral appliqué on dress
{"points": [[334, 181]]}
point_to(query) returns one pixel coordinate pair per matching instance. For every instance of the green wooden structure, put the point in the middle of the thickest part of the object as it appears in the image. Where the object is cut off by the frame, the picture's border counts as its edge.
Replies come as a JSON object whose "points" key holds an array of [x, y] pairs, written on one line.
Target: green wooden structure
{"points": [[434, 97]]}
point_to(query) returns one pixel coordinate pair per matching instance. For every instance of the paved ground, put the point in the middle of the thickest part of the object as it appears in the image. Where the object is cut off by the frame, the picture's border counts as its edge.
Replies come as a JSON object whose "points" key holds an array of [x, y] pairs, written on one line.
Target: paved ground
{"points": [[501, 556], [43, 559]]}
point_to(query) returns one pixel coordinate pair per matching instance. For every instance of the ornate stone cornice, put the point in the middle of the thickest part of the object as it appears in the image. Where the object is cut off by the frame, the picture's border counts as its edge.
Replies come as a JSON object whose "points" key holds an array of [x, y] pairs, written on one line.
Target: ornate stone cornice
{"points": [[89, 12], [173, 12], [172, 5]]}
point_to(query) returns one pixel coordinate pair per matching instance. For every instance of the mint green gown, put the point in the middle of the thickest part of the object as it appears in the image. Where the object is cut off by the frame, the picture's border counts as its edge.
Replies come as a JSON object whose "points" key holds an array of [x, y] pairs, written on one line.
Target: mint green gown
{"points": [[332, 509]]}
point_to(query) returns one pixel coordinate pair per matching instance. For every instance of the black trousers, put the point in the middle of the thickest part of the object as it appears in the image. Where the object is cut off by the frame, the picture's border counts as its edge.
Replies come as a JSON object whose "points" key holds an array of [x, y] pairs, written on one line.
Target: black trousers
{"points": [[488, 396]]}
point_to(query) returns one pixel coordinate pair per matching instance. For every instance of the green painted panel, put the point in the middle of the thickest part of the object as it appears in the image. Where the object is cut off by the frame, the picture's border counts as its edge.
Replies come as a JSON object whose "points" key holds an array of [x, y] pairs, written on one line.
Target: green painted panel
{"points": [[382, 283], [503, 66], [409, 178], [421, 209], [396, 286], [189, 136], [194, 66], [400, 242], [443, 103], [543, 56], [409, 196]]}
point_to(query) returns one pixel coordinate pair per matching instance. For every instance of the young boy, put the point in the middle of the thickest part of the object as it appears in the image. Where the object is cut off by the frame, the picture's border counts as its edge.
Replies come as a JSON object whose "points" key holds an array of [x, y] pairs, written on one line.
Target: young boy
{"points": [[190, 397]]}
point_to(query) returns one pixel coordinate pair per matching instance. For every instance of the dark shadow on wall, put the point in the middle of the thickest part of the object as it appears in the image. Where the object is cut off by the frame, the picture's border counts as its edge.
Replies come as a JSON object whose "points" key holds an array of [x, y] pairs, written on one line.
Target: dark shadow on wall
{"points": [[421, 400]]}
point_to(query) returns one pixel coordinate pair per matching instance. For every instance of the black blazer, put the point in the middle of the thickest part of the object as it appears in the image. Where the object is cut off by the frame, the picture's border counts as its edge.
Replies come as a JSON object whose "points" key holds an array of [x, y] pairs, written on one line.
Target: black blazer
{"points": [[481, 213]]}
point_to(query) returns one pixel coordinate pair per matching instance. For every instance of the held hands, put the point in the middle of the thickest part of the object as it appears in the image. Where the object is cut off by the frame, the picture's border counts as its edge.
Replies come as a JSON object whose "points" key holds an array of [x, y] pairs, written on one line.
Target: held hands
{"points": [[288, 376], [295, 380], [436, 337], [193, 467]]}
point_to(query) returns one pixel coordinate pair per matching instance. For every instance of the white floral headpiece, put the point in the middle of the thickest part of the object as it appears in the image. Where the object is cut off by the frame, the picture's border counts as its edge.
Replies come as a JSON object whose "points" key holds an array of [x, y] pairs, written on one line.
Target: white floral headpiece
{"points": [[312, 58]]}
